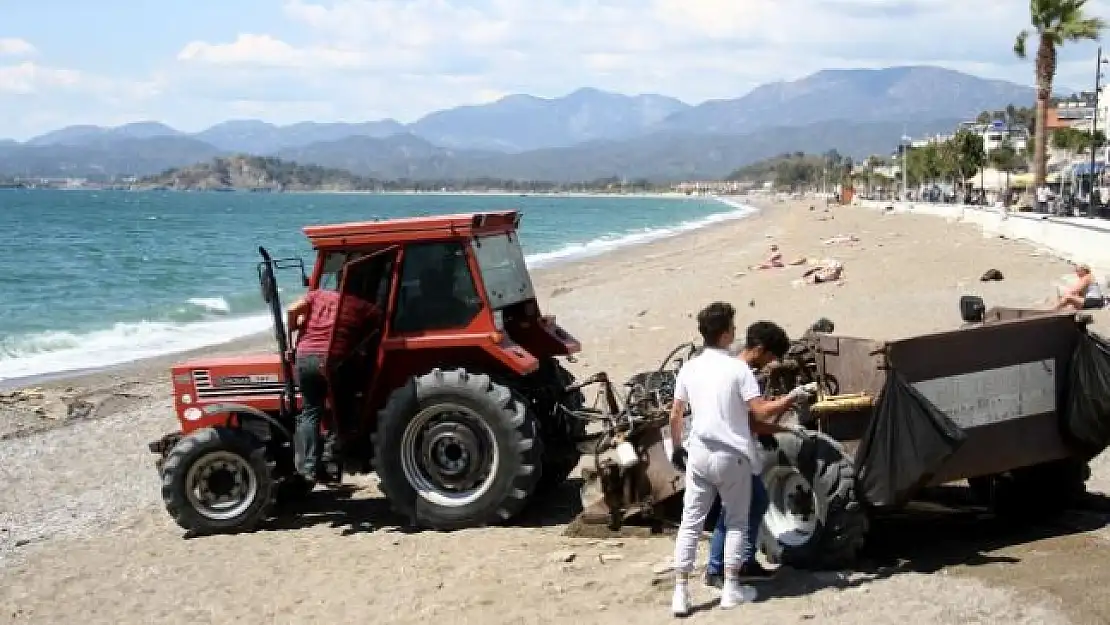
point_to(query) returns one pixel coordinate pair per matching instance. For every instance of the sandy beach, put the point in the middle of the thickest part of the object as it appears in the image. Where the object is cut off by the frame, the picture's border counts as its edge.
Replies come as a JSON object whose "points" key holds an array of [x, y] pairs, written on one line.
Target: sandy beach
{"points": [[84, 539]]}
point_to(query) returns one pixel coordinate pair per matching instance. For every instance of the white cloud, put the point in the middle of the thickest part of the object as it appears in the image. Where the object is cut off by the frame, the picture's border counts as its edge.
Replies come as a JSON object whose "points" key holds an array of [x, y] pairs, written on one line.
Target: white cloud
{"points": [[13, 46], [266, 51], [27, 78], [693, 49]]}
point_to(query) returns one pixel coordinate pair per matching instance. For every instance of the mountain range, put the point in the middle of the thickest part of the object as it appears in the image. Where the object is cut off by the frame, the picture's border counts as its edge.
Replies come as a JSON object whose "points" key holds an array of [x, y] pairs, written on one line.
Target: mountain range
{"points": [[584, 135]]}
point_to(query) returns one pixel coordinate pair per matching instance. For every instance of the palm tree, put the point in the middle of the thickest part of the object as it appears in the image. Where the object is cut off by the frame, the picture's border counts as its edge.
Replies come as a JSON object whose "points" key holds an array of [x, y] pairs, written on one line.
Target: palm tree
{"points": [[1054, 22]]}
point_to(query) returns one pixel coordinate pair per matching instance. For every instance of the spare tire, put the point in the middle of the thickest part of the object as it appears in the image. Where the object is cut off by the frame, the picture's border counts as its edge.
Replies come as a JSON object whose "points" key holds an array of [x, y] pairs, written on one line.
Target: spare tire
{"points": [[453, 450], [814, 520]]}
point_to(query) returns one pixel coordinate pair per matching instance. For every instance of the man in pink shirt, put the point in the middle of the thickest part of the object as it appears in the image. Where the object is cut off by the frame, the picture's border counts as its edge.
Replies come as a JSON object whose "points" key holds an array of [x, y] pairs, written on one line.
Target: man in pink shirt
{"points": [[326, 336]]}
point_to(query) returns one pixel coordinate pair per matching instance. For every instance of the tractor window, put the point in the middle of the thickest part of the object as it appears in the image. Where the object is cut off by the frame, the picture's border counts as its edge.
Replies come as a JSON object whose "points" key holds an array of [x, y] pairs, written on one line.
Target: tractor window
{"points": [[437, 291], [503, 270], [333, 263]]}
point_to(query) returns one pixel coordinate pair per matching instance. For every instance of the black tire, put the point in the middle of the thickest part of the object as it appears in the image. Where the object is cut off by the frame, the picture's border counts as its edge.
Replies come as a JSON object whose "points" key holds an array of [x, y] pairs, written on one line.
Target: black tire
{"points": [[1035, 493], [560, 453], [499, 421], [230, 457], [820, 478]]}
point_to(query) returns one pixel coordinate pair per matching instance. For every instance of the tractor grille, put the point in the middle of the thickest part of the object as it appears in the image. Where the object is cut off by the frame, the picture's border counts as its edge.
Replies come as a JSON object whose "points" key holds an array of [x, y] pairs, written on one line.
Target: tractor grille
{"points": [[202, 380]]}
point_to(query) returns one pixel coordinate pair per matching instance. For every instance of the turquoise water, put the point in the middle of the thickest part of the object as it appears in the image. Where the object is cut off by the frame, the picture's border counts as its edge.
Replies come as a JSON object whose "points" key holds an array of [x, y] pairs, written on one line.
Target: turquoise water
{"points": [[98, 278]]}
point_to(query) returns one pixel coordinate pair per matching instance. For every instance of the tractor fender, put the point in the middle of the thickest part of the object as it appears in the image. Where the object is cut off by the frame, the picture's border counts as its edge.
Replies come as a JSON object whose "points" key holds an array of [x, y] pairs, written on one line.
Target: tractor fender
{"points": [[514, 357], [244, 410]]}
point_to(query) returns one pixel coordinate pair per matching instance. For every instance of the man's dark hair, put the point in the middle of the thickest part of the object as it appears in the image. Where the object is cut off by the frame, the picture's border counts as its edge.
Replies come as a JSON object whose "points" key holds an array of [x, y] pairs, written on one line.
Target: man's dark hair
{"points": [[769, 336], [714, 321]]}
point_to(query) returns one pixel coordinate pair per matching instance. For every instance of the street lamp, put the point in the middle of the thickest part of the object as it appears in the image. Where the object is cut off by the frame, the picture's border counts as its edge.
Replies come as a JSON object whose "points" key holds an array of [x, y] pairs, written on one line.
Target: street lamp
{"points": [[1093, 195]]}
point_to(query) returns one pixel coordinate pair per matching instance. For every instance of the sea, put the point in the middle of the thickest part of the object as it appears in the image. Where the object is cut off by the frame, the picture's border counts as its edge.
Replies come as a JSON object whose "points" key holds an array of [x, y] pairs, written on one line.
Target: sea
{"points": [[90, 279]]}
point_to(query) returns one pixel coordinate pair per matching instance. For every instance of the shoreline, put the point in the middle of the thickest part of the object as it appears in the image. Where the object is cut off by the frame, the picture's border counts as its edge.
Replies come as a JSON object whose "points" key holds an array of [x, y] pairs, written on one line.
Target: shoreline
{"points": [[549, 262]]}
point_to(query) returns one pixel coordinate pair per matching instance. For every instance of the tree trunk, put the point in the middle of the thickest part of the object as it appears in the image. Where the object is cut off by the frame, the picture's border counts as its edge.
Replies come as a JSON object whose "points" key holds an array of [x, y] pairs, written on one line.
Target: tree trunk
{"points": [[1046, 71]]}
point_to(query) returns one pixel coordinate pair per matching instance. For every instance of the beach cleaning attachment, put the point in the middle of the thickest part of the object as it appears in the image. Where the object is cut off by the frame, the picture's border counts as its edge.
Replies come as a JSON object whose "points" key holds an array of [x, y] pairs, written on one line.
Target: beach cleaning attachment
{"points": [[631, 472]]}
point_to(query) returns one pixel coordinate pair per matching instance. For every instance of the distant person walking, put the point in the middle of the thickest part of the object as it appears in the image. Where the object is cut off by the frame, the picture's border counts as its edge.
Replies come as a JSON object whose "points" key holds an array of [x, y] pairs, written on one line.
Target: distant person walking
{"points": [[721, 391], [1043, 196]]}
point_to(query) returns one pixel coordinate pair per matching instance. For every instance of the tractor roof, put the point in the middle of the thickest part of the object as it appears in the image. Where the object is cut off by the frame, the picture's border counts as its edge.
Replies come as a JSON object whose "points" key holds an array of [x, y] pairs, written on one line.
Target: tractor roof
{"points": [[411, 229]]}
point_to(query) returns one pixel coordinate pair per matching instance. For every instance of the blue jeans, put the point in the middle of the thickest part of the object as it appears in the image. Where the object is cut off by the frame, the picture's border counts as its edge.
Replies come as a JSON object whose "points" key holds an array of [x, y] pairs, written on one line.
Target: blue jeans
{"points": [[759, 505], [314, 395]]}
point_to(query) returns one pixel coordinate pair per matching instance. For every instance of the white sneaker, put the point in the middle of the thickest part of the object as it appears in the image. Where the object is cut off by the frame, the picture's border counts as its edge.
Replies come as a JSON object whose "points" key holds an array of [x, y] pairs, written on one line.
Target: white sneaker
{"points": [[734, 594], [680, 602]]}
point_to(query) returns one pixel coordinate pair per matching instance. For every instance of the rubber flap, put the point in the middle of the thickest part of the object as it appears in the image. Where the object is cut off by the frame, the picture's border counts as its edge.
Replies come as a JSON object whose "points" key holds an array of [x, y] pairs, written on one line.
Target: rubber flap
{"points": [[907, 441], [1086, 422]]}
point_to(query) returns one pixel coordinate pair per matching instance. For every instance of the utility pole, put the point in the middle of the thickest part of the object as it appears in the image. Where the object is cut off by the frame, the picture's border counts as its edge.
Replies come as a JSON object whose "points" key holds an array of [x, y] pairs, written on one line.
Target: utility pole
{"points": [[1093, 203], [905, 161]]}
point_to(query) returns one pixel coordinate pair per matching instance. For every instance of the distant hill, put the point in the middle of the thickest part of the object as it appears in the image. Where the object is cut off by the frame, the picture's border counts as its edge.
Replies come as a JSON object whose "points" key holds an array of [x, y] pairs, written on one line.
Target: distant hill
{"points": [[769, 169], [584, 135], [857, 95], [254, 173], [104, 157], [518, 123], [85, 135], [660, 157], [256, 137]]}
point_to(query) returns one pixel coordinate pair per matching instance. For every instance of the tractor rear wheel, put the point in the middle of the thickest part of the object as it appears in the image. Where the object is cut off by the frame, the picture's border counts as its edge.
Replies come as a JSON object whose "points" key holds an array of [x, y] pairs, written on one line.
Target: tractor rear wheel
{"points": [[561, 454], [217, 480], [453, 450], [814, 520]]}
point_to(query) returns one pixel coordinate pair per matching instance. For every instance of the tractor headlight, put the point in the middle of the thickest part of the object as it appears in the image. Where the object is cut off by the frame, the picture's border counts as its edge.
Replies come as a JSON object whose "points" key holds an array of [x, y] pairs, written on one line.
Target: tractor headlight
{"points": [[499, 320]]}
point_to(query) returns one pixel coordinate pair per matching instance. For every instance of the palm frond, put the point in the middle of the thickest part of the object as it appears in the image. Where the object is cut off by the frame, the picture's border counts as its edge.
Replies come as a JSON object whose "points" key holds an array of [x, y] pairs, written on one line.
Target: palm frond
{"points": [[1083, 29], [1019, 43]]}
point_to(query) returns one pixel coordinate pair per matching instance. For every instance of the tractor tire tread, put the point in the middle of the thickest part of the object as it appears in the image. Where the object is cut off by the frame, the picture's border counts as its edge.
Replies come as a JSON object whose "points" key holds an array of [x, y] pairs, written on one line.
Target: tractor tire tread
{"points": [[514, 427], [175, 468]]}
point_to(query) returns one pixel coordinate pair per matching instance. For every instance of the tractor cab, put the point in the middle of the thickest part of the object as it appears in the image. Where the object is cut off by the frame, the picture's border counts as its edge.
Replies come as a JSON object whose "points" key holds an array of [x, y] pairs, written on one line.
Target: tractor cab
{"points": [[453, 290], [460, 334]]}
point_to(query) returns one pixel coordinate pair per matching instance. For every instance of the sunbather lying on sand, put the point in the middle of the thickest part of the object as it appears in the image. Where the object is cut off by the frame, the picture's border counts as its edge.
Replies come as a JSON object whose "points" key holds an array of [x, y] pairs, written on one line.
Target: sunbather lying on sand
{"points": [[827, 270], [774, 260]]}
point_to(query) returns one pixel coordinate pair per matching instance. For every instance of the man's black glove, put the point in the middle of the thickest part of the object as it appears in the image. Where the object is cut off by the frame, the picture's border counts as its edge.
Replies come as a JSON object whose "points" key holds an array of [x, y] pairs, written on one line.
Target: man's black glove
{"points": [[678, 458]]}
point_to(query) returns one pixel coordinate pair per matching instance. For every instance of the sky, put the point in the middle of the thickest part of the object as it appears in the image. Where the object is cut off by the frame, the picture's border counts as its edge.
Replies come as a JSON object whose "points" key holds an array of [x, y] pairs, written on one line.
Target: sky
{"points": [[193, 64]]}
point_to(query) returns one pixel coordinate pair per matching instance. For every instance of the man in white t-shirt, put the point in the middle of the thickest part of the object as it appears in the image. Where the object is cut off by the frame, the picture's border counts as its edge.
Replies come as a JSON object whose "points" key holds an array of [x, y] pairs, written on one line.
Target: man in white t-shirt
{"points": [[722, 394]]}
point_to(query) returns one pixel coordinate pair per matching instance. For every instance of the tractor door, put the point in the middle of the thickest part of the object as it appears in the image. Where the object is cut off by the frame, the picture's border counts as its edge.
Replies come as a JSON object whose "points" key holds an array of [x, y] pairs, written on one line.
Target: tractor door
{"points": [[364, 290]]}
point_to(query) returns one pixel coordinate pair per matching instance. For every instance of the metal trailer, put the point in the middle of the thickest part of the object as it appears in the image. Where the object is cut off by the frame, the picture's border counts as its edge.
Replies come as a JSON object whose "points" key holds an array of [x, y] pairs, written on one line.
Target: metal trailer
{"points": [[1000, 379]]}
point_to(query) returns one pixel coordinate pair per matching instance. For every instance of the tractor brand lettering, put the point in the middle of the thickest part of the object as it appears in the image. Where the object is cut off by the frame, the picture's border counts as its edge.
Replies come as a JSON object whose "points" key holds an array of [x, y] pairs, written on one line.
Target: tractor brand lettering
{"points": [[994, 395], [244, 380]]}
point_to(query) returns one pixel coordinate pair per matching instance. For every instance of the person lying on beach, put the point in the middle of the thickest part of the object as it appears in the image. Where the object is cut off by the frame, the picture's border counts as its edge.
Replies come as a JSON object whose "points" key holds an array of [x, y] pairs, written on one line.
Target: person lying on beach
{"points": [[1085, 294], [827, 270], [774, 260]]}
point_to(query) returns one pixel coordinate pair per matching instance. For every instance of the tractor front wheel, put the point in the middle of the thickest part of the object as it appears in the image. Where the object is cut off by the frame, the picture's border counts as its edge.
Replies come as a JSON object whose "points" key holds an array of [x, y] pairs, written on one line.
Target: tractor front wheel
{"points": [[217, 480], [453, 450]]}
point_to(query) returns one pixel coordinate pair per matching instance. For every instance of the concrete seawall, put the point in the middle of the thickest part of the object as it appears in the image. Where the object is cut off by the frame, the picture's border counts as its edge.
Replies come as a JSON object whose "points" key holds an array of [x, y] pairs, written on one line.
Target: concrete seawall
{"points": [[1076, 239]]}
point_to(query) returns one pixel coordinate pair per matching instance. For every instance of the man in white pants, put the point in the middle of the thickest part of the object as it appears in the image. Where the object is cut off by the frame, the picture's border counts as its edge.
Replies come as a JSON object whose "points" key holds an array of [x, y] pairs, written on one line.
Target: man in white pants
{"points": [[722, 392]]}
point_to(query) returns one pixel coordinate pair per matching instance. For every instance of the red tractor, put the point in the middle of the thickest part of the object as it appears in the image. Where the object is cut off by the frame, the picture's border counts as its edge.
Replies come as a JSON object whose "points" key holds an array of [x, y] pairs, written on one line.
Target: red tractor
{"points": [[459, 402]]}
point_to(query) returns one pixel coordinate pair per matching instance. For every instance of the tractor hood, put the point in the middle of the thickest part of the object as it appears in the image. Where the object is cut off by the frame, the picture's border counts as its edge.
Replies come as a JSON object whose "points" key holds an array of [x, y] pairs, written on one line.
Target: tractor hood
{"points": [[253, 378], [266, 360]]}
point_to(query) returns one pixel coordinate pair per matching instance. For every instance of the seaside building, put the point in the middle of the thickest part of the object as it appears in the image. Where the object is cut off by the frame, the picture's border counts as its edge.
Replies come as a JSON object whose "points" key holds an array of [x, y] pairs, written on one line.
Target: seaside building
{"points": [[711, 186], [1075, 111], [995, 134]]}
